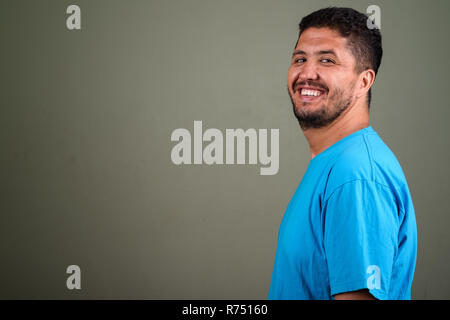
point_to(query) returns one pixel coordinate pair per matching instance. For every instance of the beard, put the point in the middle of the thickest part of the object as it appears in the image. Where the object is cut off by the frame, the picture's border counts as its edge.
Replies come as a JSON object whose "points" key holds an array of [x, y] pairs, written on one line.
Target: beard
{"points": [[324, 115]]}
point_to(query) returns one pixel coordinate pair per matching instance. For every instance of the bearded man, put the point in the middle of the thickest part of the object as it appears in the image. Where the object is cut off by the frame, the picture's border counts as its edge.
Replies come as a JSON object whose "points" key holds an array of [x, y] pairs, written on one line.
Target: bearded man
{"points": [[349, 231]]}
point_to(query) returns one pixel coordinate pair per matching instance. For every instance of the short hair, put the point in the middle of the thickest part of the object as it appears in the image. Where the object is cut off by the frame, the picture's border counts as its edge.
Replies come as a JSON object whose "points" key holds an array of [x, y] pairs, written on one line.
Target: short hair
{"points": [[364, 43]]}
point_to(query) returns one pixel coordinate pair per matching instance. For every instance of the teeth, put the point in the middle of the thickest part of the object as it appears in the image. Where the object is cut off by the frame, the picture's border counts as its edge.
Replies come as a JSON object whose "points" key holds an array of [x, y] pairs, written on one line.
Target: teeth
{"points": [[306, 92]]}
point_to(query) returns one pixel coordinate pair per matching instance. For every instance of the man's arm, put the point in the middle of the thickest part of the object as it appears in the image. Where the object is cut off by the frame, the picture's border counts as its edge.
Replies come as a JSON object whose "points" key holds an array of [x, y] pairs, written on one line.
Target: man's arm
{"points": [[355, 295]]}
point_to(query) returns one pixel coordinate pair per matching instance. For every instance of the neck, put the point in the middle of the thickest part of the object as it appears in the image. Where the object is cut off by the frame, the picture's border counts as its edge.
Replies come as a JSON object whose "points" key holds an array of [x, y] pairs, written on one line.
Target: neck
{"points": [[353, 119]]}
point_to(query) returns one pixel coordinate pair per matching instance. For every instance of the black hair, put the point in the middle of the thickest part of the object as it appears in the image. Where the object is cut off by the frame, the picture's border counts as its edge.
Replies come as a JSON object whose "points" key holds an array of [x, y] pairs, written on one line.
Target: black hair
{"points": [[364, 42]]}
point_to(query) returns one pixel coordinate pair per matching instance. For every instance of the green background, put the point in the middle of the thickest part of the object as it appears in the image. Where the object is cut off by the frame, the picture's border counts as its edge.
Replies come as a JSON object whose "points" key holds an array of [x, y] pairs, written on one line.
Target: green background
{"points": [[86, 118]]}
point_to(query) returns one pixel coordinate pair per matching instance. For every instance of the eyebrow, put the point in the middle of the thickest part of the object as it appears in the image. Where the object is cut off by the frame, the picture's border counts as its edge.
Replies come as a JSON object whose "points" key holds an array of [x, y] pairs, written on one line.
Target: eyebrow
{"points": [[330, 51]]}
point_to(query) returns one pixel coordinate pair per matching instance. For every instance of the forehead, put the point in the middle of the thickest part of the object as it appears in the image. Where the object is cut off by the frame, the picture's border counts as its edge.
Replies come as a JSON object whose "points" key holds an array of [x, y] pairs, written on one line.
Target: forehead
{"points": [[316, 39]]}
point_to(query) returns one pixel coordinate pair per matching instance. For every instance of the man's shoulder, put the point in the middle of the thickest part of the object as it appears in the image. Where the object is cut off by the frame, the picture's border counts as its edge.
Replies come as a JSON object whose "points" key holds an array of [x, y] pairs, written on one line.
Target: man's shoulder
{"points": [[352, 162], [366, 158]]}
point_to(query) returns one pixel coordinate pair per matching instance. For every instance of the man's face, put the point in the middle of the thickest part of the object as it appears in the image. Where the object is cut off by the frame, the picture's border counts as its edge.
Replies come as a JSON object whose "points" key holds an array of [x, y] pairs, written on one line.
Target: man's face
{"points": [[321, 77]]}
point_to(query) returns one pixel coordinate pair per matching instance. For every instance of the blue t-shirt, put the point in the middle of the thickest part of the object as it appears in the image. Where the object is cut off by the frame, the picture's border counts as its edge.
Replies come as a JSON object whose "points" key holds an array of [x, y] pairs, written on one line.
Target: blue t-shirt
{"points": [[350, 225]]}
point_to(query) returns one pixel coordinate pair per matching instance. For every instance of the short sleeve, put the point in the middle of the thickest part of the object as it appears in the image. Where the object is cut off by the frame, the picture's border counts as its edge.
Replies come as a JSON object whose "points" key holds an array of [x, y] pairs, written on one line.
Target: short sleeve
{"points": [[360, 221]]}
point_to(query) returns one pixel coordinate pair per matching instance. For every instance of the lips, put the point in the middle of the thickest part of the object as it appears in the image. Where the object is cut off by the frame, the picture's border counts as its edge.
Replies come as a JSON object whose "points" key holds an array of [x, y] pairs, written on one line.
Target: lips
{"points": [[309, 93]]}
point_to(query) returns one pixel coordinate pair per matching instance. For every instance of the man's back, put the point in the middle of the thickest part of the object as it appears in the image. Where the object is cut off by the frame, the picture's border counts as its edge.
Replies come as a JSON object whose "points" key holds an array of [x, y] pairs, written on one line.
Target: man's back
{"points": [[350, 225]]}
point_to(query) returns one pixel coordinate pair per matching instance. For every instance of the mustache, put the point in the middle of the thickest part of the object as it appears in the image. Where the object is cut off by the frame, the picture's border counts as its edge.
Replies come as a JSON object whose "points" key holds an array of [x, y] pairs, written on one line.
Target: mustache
{"points": [[311, 84]]}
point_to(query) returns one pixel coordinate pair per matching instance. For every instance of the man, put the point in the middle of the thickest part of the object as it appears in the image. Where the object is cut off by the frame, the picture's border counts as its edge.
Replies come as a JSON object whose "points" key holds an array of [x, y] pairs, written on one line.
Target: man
{"points": [[349, 231]]}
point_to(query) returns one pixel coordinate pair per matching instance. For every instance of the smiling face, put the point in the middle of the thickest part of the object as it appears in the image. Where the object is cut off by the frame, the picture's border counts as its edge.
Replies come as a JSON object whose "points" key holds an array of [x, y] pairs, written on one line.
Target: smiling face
{"points": [[321, 78]]}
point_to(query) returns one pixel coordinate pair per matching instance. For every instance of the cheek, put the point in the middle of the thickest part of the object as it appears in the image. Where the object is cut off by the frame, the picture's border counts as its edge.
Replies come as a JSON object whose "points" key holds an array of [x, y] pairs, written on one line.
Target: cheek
{"points": [[344, 83], [292, 76], [336, 84]]}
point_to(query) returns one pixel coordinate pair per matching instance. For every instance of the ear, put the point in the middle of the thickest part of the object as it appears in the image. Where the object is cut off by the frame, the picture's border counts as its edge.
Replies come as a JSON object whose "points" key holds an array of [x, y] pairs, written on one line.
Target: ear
{"points": [[366, 79]]}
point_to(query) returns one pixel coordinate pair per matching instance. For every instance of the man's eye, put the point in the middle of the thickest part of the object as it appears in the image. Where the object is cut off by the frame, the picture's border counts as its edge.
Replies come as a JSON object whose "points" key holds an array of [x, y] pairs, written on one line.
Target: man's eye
{"points": [[300, 60], [326, 61]]}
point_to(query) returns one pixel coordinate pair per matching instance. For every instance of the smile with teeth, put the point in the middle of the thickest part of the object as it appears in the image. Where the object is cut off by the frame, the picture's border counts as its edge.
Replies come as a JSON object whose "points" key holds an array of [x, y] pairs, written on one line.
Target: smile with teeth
{"points": [[309, 92]]}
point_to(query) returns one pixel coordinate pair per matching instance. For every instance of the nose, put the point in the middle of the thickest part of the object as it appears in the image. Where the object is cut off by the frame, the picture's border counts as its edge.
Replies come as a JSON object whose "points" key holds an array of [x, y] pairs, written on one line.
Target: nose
{"points": [[308, 72]]}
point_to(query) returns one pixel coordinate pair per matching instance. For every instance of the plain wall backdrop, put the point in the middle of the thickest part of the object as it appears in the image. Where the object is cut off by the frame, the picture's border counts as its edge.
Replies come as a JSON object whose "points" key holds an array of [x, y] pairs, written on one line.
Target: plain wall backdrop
{"points": [[86, 118]]}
